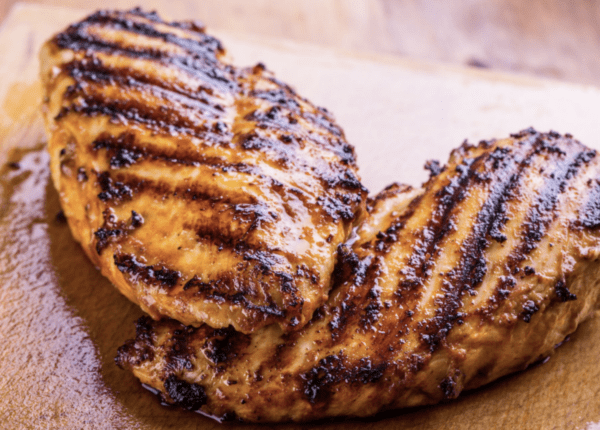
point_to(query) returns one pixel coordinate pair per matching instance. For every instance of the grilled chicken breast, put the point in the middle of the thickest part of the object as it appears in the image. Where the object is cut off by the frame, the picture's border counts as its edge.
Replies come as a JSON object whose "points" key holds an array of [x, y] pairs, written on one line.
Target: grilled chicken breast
{"points": [[478, 274], [204, 192]]}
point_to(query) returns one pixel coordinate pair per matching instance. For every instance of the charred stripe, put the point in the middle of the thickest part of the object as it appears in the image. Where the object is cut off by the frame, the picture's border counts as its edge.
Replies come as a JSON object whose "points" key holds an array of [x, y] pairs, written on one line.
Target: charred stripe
{"points": [[542, 212], [157, 274], [124, 150], [209, 72], [164, 120], [92, 70], [124, 187]]}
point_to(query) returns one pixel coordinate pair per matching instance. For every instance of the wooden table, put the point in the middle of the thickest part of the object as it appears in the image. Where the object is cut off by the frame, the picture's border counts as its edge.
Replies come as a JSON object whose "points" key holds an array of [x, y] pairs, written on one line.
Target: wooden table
{"points": [[550, 38]]}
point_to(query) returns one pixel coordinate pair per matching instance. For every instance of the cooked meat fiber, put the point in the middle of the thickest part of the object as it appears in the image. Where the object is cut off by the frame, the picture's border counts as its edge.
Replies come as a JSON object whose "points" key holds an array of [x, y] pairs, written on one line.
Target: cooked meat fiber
{"points": [[477, 275], [206, 193]]}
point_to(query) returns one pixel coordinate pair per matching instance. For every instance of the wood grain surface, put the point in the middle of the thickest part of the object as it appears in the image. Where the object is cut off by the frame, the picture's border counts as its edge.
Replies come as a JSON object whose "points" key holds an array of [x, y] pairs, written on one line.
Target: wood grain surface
{"points": [[61, 321], [549, 38]]}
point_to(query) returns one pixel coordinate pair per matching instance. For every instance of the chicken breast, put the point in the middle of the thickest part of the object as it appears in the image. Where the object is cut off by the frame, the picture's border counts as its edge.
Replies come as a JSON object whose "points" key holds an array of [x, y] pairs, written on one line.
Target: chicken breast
{"points": [[205, 192], [477, 275]]}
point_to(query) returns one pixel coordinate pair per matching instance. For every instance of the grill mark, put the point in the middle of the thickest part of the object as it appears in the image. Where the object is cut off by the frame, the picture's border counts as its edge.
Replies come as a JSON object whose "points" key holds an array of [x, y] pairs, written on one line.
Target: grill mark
{"points": [[336, 204], [340, 206], [361, 304], [418, 269], [255, 215], [434, 330], [510, 168], [165, 120], [384, 240], [331, 175], [489, 223], [92, 70], [281, 99], [274, 118], [114, 191], [214, 290], [589, 215], [542, 212], [286, 120], [209, 70], [115, 231], [472, 267], [125, 150], [221, 287], [157, 274], [264, 257], [207, 46], [279, 96], [365, 271], [124, 187], [106, 235], [318, 382], [223, 346]]}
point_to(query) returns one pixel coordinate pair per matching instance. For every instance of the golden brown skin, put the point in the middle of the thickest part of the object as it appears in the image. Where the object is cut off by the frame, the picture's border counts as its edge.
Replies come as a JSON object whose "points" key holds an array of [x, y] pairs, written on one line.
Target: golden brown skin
{"points": [[204, 192], [477, 275]]}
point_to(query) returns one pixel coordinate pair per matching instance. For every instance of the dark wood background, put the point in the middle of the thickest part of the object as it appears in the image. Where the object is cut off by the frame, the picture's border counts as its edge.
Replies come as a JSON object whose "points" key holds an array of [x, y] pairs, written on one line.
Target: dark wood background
{"points": [[548, 38]]}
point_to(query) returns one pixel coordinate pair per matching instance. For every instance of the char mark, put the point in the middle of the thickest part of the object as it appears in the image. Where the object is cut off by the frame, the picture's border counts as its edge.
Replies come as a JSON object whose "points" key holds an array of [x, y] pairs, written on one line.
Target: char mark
{"points": [[156, 274], [279, 97], [340, 206], [543, 211], [125, 149], [201, 61], [125, 187], [92, 70], [217, 290], [319, 382], [207, 46], [434, 167], [282, 117], [331, 175], [187, 395], [504, 169], [566, 156], [360, 271], [440, 224], [113, 230], [529, 309], [113, 191], [139, 350], [167, 120], [224, 346], [589, 215], [562, 292], [104, 236], [275, 118]]}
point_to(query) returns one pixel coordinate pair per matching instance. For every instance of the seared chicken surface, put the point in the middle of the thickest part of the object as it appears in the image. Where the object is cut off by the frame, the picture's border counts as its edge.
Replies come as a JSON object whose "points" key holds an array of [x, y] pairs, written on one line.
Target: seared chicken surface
{"points": [[478, 274], [205, 193]]}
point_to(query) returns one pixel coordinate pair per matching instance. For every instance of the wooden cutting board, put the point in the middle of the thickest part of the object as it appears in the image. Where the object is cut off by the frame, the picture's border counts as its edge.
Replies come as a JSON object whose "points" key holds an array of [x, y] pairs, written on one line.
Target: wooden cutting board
{"points": [[61, 322]]}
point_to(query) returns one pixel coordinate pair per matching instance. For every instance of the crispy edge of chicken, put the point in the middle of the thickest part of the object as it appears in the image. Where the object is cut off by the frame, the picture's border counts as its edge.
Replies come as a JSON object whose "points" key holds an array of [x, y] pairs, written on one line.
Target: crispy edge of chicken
{"points": [[206, 193], [479, 274]]}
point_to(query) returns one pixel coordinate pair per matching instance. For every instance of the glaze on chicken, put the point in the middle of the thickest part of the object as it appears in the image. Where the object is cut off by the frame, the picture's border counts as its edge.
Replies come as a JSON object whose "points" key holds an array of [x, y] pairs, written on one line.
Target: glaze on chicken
{"points": [[206, 193], [477, 275]]}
